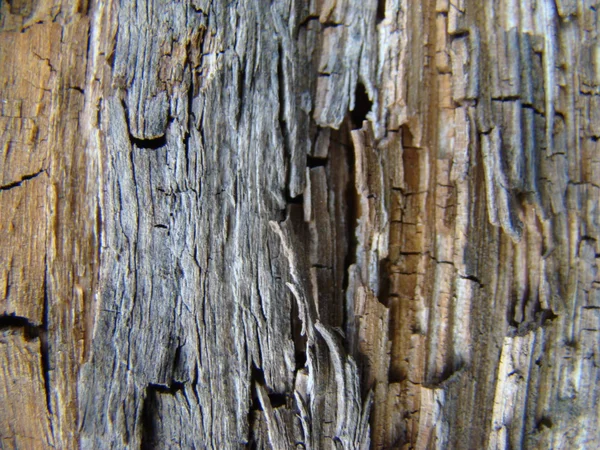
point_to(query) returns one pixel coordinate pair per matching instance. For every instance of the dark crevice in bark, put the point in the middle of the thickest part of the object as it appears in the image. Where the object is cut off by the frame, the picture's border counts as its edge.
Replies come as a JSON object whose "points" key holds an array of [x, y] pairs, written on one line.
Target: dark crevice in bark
{"points": [[254, 409], [459, 34], [544, 422], [171, 389], [395, 375], [149, 144], [472, 278], [241, 81], [276, 399], [362, 106], [45, 349], [151, 411], [257, 375], [146, 144], [310, 18], [283, 127], [252, 422], [380, 10], [177, 360], [99, 114], [384, 282], [190, 121], [300, 354], [298, 339], [149, 432], [312, 162], [77, 89], [18, 183], [545, 316], [343, 210], [298, 200], [11, 321], [352, 214]]}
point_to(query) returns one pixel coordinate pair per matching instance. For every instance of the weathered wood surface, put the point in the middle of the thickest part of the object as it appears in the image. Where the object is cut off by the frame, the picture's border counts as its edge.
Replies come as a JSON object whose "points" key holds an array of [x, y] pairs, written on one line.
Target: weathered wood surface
{"points": [[349, 224], [48, 226]]}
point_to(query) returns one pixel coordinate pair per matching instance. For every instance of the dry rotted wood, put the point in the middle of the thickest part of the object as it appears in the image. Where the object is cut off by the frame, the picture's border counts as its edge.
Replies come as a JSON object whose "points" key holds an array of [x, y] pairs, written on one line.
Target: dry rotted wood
{"points": [[300, 224]]}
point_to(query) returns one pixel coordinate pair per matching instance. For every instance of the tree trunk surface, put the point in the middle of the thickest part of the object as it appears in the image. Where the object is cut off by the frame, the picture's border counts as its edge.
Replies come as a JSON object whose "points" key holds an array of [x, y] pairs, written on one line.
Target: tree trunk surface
{"points": [[299, 224]]}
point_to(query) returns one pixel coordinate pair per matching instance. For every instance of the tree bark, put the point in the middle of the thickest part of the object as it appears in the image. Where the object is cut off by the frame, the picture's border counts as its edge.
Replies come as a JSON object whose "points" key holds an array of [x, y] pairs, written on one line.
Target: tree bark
{"points": [[299, 224]]}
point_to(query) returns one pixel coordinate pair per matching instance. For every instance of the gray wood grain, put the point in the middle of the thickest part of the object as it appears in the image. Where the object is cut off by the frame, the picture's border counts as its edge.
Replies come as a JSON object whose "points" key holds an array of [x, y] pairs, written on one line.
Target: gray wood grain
{"points": [[206, 141]]}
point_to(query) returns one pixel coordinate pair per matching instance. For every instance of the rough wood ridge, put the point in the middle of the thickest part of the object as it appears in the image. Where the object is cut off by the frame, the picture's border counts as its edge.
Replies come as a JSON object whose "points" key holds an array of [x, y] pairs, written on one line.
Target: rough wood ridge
{"points": [[299, 224]]}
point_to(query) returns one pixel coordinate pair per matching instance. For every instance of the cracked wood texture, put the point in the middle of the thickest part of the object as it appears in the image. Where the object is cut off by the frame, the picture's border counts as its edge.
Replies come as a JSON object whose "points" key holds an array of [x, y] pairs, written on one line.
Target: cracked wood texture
{"points": [[299, 224]]}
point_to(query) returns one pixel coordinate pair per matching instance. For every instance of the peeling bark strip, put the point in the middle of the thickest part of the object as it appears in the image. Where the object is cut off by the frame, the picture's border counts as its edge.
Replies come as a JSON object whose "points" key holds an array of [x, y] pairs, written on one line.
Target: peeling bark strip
{"points": [[299, 224]]}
